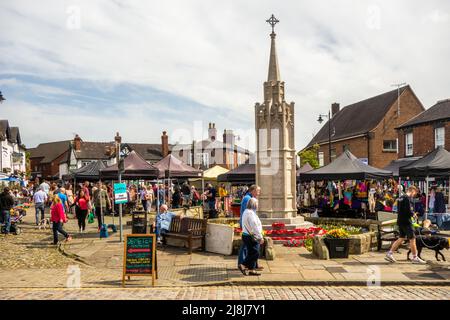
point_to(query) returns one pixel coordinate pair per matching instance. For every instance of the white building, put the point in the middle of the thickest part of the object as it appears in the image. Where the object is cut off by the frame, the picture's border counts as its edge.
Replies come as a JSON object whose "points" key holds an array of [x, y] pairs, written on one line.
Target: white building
{"points": [[13, 159]]}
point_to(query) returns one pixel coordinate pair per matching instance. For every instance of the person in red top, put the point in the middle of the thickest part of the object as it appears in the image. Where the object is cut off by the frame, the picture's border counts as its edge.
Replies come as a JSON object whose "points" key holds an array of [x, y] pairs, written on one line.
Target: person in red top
{"points": [[58, 217], [81, 209]]}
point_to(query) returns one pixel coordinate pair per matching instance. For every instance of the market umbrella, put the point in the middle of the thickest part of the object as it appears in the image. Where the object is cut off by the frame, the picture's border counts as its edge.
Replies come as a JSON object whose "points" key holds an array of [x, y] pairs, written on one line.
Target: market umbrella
{"points": [[135, 167], [214, 172], [346, 166]]}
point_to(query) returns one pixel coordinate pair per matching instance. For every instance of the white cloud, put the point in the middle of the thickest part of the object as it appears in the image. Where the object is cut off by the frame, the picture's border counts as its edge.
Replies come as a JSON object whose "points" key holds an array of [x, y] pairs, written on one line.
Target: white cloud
{"points": [[216, 52]]}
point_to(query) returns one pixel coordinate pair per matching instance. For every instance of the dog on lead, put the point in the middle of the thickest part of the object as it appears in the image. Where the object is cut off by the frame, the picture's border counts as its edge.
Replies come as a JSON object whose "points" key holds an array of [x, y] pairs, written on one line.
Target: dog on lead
{"points": [[435, 243], [44, 223]]}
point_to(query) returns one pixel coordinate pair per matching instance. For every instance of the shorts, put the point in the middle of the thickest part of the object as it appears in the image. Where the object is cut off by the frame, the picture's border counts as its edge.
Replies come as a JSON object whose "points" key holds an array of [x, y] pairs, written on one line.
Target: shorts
{"points": [[406, 231]]}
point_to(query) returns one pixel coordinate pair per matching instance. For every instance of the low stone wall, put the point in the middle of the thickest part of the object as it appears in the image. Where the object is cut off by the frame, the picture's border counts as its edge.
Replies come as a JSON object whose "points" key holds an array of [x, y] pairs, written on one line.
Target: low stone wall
{"points": [[359, 244]]}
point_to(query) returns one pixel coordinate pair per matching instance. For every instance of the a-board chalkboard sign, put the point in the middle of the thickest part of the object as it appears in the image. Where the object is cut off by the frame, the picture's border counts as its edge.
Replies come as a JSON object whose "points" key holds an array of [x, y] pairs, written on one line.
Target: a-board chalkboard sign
{"points": [[139, 258]]}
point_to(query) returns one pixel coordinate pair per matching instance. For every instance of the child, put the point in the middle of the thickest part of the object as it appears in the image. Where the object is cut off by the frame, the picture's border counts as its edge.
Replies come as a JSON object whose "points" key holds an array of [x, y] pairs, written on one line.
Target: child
{"points": [[58, 217]]}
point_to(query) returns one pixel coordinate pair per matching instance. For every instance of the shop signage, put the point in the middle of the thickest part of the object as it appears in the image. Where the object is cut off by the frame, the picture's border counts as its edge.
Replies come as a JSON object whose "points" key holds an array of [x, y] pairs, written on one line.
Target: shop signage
{"points": [[120, 193]]}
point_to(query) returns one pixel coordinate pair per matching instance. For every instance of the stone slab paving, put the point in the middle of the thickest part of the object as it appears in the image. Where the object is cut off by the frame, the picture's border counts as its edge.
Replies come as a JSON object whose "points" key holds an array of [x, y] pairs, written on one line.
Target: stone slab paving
{"points": [[234, 293], [28, 260]]}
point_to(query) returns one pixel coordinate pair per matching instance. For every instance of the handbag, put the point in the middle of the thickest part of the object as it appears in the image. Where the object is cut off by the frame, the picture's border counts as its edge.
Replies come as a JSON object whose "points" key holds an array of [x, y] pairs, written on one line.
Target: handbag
{"points": [[91, 217]]}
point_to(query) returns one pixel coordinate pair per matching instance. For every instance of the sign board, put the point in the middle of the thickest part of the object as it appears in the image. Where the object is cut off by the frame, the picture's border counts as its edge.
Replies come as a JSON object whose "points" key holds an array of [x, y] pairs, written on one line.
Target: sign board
{"points": [[120, 193], [139, 257], [364, 160]]}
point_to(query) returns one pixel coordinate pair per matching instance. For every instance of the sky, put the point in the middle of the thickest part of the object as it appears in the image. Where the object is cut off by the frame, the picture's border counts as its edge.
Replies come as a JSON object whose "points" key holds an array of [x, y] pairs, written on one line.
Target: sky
{"points": [[141, 67]]}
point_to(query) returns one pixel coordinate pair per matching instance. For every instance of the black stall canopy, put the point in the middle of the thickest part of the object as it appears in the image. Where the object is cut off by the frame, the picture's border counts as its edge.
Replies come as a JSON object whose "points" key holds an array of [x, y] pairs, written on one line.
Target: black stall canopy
{"points": [[395, 165], [434, 164], [135, 168], [90, 172], [244, 174], [344, 167]]}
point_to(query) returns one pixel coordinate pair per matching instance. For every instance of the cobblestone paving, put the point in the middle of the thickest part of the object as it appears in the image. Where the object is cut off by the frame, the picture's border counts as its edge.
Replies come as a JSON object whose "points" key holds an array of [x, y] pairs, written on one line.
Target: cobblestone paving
{"points": [[235, 293]]}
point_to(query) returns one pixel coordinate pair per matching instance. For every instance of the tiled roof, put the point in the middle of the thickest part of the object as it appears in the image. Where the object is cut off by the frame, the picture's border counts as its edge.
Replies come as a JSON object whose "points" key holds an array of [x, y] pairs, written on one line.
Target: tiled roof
{"points": [[358, 118], [93, 150], [440, 111], [49, 151], [5, 130]]}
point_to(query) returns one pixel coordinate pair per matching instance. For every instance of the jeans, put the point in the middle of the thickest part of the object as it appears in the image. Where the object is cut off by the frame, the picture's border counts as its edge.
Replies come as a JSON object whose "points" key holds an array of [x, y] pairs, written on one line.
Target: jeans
{"points": [[40, 207], [212, 209], [145, 204], [252, 247], [81, 217], [6, 220], [242, 254], [58, 227], [98, 213]]}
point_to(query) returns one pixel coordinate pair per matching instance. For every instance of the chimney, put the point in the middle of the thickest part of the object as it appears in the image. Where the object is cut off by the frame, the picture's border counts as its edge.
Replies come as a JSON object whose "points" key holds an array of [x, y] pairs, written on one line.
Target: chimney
{"points": [[212, 132], [165, 144], [334, 108], [118, 138], [77, 142], [228, 138]]}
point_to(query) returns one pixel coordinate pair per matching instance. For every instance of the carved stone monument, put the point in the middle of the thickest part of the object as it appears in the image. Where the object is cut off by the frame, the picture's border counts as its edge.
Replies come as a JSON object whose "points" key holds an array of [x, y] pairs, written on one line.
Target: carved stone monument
{"points": [[276, 155]]}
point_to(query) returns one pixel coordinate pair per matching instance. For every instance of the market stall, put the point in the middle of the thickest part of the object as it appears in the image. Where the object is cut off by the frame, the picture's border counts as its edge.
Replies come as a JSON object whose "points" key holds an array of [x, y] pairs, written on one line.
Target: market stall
{"points": [[346, 187], [245, 174], [89, 172], [433, 167]]}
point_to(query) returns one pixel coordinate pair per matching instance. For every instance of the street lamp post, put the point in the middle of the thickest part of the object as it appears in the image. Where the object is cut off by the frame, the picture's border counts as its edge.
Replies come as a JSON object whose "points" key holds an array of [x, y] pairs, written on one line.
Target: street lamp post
{"points": [[320, 120]]}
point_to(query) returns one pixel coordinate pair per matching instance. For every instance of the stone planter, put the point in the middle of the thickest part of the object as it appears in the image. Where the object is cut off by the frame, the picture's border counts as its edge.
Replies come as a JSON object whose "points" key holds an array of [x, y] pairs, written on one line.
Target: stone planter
{"points": [[337, 248]]}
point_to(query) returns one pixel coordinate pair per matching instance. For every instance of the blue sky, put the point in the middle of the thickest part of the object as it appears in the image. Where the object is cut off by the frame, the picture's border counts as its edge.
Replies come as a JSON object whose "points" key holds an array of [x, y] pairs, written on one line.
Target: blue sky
{"points": [[141, 67]]}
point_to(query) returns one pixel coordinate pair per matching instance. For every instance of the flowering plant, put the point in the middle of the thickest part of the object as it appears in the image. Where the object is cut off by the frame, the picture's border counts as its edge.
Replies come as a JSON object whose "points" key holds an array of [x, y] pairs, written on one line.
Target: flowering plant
{"points": [[337, 234]]}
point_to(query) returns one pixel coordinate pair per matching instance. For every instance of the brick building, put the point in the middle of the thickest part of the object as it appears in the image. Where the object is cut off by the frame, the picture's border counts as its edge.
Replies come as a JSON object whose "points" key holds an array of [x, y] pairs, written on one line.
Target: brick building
{"points": [[368, 128], [426, 131]]}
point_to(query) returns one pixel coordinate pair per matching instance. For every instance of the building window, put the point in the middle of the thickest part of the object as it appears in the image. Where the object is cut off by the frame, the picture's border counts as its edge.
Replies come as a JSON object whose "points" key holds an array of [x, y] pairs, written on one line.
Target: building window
{"points": [[203, 159], [439, 137], [333, 154], [321, 159], [390, 145], [409, 144]]}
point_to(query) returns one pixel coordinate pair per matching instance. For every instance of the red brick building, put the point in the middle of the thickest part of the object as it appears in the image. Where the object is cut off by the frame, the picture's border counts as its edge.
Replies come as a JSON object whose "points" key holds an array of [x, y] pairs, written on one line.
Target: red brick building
{"points": [[368, 128], [426, 131]]}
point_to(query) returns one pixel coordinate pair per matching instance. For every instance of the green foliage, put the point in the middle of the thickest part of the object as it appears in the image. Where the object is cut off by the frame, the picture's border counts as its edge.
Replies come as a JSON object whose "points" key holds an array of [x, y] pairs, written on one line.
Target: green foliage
{"points": [[310, 156], [347, 228]]}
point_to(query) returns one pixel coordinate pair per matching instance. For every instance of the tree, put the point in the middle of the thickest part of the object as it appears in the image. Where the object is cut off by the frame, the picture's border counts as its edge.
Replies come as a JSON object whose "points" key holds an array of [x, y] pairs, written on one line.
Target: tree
{"points": [[310, 156]]}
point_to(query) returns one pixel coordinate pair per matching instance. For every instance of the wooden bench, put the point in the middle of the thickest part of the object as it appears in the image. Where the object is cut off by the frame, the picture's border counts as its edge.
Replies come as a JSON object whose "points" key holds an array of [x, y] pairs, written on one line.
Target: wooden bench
{"points": [[188, 230]]}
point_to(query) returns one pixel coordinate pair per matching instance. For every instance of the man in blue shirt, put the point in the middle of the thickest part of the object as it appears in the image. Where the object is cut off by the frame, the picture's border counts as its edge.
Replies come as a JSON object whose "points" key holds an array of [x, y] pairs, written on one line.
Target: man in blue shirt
{"points": [[253, 192], [63, 197]]}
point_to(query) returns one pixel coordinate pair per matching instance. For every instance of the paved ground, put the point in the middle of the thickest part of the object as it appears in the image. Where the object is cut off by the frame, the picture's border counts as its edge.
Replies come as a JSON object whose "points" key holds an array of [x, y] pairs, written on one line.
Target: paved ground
{"points": [[235, 293], [30, 261]]}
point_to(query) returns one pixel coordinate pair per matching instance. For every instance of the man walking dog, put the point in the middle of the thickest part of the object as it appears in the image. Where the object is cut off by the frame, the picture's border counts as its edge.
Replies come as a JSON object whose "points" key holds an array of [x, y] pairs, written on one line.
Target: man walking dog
{"points": [[405, 226]]}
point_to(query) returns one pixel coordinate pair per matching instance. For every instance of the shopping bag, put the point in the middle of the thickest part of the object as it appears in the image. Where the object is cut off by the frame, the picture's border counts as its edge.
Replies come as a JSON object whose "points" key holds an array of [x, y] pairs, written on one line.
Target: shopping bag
{"points": [[91, 217]]}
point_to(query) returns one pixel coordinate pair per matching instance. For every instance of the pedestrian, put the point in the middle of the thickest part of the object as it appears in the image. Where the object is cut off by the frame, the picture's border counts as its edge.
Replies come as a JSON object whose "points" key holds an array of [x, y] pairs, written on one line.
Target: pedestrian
{"points": [[252, 238], [222, 194], [39, 199], [87, 192], [195, 196], [6, 204], [439, 207], [143, 196], [161, 195], [70, 196], [253, 192], [405, 226], [186, 193], [45, 187], [81, 210], [102, 201], [61, 193], [211, 194], [58, 218], [176, 198]]}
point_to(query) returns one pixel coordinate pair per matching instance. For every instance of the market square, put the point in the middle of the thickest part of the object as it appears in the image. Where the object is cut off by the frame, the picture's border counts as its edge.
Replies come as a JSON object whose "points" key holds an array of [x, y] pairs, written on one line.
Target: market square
{"points": [[141, 201]]}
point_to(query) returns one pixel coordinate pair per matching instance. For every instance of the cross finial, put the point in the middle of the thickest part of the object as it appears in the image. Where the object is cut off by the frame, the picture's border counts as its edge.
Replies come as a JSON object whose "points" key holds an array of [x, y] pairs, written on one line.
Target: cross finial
{"points": [[272, 21]]}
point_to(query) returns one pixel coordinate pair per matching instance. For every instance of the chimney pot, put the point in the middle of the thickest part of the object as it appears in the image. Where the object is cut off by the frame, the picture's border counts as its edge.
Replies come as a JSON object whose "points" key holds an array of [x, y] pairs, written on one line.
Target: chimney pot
{"points": [[77, 142], [165, 144], [334, 108]]}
